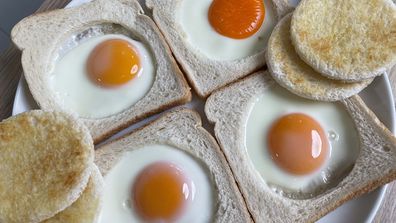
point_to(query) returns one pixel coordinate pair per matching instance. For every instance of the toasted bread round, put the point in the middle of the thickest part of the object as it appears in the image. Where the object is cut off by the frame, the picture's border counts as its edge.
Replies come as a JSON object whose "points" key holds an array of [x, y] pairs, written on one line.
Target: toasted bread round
{"points": [[294, 74], [45, 161], [350, 40], [87, 208]]}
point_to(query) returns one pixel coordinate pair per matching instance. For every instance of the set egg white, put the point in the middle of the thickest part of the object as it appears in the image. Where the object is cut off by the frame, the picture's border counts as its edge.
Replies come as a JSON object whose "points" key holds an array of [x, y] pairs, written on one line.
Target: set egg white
{"points": [[120, 179], [193, 17], [333, 118], [76, 93]]}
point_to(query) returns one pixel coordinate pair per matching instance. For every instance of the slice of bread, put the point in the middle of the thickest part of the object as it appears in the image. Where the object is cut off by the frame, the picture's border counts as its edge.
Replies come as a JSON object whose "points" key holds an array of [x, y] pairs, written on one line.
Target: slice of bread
{"points": [[87, 208], [182, 128], [205, 74], [46, 159], [228, 108], [44, 37], [346, 40], [294, 74]]}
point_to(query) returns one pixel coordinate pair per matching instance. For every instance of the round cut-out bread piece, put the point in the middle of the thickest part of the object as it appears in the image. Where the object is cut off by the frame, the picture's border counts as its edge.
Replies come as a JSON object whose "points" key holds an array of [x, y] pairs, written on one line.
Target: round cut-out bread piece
{"points": [[294, 74], [87, 208], [346, 40], [46, 159]]}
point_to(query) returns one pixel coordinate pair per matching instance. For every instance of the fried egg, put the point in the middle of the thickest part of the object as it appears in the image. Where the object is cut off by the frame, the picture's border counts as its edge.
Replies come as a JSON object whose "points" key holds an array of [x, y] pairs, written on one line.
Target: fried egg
{"points": [[227, 29], [157, 183], [300, 147], [103, 76]]}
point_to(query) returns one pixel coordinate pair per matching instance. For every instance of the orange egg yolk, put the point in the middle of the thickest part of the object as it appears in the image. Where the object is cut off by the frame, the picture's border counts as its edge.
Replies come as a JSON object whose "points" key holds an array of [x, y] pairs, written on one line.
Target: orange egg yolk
{"points": [[298, 144], [113, 63], [161, 192], [237, 19]]}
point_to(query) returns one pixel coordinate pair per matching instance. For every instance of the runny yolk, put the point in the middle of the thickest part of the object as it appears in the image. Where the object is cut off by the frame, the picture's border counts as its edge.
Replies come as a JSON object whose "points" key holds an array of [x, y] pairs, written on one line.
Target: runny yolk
{"points": [[113, 63], [237, 19], [298, 144], [161, 192]]}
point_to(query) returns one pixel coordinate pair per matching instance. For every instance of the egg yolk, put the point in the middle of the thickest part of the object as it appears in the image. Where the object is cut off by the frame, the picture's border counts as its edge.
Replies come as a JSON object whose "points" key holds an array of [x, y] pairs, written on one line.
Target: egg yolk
{"points": [[113, 62], [298, 144], [161, 192], [237, 19]]}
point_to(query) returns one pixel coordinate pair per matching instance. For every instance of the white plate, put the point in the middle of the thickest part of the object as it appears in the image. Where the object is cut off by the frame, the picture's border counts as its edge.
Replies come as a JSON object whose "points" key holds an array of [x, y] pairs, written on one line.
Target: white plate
{"points": [[378, 96]]}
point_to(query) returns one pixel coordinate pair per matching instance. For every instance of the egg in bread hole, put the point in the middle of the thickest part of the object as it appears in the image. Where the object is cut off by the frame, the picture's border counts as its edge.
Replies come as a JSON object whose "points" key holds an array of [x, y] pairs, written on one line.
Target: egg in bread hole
{"points": [[227, 29], [299, 147], [98, 73], [157, 183]]}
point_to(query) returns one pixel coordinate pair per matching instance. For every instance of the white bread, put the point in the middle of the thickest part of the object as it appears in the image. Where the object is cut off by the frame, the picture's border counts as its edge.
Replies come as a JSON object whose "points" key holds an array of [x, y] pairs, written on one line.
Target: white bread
{"points": [[41, 37], [204, 74], [346, 40], [46, 159], [289, 71], [375, 165], [182, 128], [87, 208]]}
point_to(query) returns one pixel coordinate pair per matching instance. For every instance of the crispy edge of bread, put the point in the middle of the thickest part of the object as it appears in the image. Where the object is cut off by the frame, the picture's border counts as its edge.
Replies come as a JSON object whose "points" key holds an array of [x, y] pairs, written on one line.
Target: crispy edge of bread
{"points": [[375, 165], [292, 73], [182, 128], [204, 74], [320, 33], [41, 173], [40, 36], [87, 207]]}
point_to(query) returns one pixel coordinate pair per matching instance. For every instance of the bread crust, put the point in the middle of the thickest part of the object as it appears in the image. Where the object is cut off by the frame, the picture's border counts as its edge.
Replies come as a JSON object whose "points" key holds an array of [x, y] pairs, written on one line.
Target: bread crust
{"points": [[40, 37], [204, 74], [182, 128], [375, 165], [295, 75], [46, 159], [346, 40]]}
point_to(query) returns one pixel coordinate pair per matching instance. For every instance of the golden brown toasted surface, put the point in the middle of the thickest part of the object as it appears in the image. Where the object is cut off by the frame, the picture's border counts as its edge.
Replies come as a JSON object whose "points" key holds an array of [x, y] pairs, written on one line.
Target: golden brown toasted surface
{"points": [[295, 75], [86, 208], [45, 162], [348, 40]]}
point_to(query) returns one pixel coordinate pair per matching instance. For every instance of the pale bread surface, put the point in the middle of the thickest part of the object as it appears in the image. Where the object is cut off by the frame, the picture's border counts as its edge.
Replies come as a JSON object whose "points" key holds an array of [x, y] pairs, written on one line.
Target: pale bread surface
{"points": [[182, 128], [376, 164], [87, 208], [46, 159], [41, 37], [204, 74], [350, 40], [294, 74]]}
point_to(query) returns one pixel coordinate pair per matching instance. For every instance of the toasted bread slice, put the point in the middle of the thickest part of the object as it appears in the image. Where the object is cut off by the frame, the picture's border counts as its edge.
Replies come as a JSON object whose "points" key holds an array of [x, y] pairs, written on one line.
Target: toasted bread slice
{"points": [[375, 165], [294, 74], [346, 40], [87, 208], [43, 37], [206, 74], [45, 160], [182, 129]]}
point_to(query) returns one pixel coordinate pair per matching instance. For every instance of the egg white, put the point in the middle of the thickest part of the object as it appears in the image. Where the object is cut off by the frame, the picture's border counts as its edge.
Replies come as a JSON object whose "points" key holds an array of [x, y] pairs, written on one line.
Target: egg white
{"points": [[118, 183], [333, 118], [193, 17], [78, 94]]}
